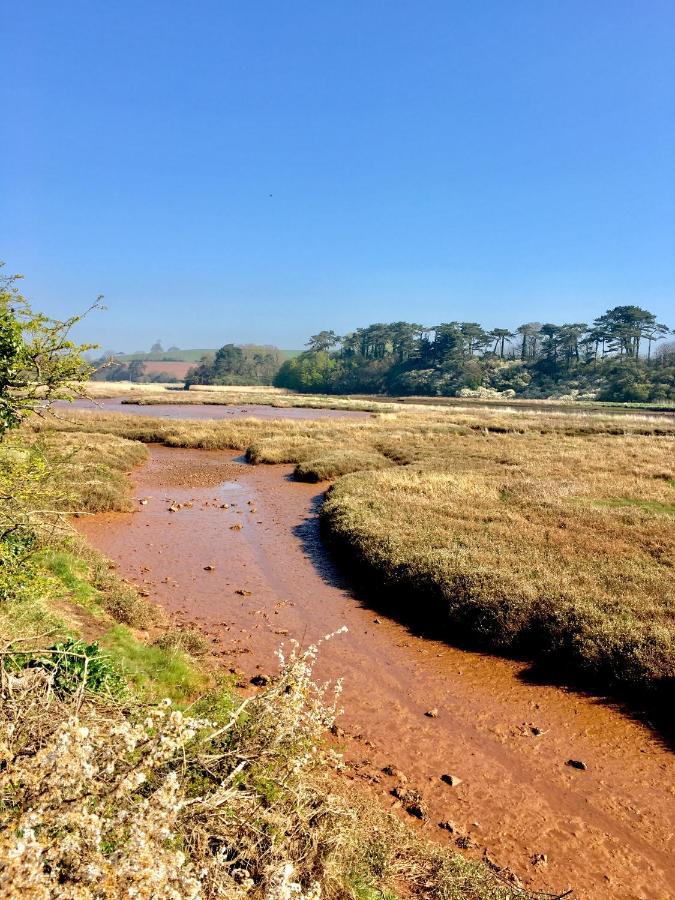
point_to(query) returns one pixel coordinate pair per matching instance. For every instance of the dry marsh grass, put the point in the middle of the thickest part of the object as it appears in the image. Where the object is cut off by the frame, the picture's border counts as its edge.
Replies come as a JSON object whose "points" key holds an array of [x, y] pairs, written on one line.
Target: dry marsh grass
{"points": [[331, 465], [92, 468], [517, 571], [549, 535]]}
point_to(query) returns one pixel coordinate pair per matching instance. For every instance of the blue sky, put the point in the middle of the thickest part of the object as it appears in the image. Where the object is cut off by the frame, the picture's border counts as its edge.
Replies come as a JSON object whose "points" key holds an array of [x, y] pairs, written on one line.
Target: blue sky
{"points": [[256, 171]]}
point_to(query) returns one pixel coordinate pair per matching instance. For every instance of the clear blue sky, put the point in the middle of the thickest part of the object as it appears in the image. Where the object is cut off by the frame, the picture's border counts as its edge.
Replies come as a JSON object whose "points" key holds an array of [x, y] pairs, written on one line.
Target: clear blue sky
{"points": [[256, 171]]}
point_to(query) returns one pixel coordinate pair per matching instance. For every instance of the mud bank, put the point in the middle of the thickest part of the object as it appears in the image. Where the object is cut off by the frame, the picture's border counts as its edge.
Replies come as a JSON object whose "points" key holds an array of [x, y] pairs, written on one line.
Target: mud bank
{"points": [[211, 410], [606, 831]]}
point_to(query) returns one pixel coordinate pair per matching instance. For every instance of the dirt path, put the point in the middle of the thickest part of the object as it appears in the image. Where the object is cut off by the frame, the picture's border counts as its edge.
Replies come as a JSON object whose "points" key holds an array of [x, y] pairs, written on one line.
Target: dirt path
{"points": [[605, 831]]}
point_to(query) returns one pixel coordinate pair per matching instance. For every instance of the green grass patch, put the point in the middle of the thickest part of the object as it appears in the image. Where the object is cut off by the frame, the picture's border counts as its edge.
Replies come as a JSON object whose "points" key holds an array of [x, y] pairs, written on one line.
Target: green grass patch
{"points": [[656, 506], [71, 572], [363, 889], [154, 672]]}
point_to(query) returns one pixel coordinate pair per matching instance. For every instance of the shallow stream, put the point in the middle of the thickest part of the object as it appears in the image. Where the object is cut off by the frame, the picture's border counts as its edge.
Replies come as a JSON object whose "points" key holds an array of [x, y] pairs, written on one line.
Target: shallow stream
{"points": [[605, 831]]}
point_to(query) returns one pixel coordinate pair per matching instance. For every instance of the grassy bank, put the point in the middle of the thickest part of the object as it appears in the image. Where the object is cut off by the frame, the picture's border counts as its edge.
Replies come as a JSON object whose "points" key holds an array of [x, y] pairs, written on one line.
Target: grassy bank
{"points": [[106, 790], [562, 580], [546, 535]]}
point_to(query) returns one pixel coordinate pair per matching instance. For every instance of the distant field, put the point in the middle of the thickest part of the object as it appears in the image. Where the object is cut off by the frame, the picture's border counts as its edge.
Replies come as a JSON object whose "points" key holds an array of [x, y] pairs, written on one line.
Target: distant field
{"points": [[179, 369]]}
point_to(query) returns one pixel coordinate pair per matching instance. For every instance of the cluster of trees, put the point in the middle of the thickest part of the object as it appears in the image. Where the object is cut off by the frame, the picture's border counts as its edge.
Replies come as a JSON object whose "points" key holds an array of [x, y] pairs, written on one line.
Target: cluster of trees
{"points": [[237, 365], [614, 358], [135, 370], [158, 348]]}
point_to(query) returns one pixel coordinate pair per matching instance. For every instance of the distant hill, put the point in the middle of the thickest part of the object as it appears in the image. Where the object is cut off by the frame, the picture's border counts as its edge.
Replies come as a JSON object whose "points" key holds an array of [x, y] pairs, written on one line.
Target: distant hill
{"points": [[190, 356], [193, 356]]}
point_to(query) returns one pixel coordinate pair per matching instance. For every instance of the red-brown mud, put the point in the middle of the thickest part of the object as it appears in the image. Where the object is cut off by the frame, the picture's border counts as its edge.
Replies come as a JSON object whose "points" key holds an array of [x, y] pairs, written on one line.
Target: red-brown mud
{"points": [[605, 831]]}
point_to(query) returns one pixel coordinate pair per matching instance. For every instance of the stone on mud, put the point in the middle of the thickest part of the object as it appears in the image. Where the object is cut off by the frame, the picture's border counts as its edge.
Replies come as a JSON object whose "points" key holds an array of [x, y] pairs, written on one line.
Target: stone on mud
{"points": [[452, 780], [411, 800]]}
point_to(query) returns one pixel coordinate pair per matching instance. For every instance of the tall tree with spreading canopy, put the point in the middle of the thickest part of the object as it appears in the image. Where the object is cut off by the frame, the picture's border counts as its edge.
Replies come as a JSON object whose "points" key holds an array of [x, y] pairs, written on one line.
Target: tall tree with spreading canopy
{"points": [[322, 341], [624, 328]]}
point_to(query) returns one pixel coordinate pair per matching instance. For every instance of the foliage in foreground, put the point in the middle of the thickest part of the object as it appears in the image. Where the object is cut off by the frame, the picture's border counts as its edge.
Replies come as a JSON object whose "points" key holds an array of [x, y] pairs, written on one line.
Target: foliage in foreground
{"points": [[39, 363], [217, 801]]}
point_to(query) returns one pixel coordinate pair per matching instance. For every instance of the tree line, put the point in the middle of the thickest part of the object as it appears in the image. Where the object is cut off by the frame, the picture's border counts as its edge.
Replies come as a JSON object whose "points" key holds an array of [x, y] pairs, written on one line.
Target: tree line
{"points": [[232, 364], [110, 369], [614, 358]]}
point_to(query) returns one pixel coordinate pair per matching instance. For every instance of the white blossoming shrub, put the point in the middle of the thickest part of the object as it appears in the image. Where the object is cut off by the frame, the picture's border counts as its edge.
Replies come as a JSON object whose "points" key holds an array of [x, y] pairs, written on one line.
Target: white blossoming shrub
{"points": [[98, 803], [228, 803], [89, 810]]}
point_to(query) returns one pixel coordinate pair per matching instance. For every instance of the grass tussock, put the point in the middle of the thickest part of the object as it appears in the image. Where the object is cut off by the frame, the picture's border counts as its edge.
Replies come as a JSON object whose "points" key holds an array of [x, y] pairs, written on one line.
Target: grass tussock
{"points": [[185, 638], [341, 462], [95, 467]]}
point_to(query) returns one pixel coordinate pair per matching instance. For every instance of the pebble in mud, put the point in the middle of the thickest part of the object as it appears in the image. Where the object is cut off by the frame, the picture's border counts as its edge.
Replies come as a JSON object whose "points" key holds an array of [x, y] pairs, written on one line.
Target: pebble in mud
{"points": [[451, 780], [411, 801], [465, 842]]}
